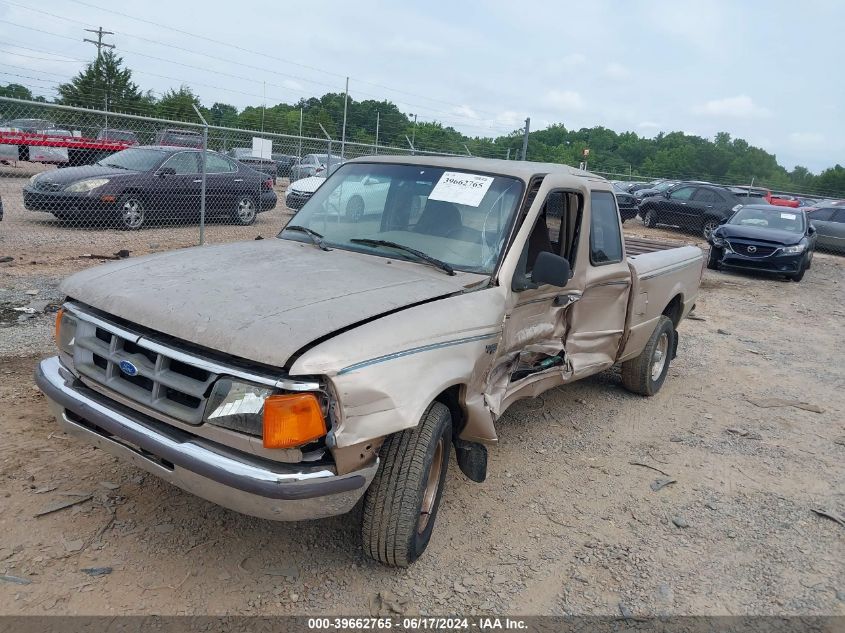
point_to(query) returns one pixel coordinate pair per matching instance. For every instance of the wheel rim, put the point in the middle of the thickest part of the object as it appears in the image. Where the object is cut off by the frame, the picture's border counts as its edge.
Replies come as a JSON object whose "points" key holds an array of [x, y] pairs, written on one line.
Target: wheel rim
{"points": [[709, 227], [660, 353], [431, 487], [246, 209], [133, 213]]}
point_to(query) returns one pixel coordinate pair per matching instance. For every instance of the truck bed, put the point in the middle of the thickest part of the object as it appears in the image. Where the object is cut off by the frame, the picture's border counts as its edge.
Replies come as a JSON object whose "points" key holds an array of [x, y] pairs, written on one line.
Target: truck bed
{"points": [[638, 245]]}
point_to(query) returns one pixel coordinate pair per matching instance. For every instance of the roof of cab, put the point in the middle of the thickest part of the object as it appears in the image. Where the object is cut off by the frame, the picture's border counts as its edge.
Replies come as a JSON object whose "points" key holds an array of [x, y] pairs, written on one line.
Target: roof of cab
{"points": [[522, 169]]}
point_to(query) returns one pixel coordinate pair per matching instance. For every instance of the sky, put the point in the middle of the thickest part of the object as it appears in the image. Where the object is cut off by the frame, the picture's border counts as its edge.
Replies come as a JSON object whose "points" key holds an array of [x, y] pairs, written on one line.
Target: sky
{"points": [[769, 72]]}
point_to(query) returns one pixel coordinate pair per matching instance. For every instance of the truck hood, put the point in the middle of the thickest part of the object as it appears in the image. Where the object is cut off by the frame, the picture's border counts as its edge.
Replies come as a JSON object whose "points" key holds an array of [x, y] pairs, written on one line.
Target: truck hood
{"points": [[260, 300]]}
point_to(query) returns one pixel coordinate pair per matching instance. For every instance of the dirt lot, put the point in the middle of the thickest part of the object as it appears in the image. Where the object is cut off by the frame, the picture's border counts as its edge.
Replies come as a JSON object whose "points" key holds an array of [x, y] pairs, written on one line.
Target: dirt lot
{"points": [[565, 523]]}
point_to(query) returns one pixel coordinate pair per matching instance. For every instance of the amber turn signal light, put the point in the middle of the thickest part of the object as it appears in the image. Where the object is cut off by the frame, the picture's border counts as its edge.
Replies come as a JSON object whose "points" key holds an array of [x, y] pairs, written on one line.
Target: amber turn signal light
{"points": [[292, 420], [59, 316]]}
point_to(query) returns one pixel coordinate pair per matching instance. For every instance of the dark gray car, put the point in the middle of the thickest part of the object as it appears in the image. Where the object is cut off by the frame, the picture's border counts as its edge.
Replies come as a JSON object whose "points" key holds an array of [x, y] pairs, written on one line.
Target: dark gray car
{"points": [[830, 227]]}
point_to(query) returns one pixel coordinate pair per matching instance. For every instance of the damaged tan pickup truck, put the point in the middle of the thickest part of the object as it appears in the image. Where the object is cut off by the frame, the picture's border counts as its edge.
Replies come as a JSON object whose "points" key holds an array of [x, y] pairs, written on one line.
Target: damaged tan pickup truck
{"points": [[400, 312]]}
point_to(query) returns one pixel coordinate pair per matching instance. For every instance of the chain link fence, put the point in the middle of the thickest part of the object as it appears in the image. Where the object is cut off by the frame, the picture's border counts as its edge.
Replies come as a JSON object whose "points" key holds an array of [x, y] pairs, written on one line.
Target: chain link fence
{"points": [[142, 184]]}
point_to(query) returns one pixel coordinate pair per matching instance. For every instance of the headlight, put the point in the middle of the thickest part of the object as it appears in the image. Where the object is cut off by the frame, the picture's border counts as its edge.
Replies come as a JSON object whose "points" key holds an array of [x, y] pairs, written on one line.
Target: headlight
{"points": [[793, 250], [736, 208], [718, 242], [282, 420], [65, 331], [238, 406], [86, 185], [32, 179]]}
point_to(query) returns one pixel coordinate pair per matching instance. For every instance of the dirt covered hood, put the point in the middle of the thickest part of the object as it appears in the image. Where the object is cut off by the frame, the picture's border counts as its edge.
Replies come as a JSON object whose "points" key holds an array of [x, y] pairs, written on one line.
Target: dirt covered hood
{"points": [[260, 300]]}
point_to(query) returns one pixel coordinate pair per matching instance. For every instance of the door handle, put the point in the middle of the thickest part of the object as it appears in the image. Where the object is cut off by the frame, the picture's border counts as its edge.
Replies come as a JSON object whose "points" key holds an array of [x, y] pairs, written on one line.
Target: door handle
{"points": [[198, 180], [239, 179]]}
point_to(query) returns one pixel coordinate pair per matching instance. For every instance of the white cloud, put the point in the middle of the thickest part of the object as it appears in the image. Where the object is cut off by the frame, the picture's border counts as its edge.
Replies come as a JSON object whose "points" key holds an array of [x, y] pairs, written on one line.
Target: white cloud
{"points": [[465, 111], [564, 99], [615, 70], [648, 125], [412, 47], [807, 140], [509, 118], [740, 107], [293, 85], [573, 59]]}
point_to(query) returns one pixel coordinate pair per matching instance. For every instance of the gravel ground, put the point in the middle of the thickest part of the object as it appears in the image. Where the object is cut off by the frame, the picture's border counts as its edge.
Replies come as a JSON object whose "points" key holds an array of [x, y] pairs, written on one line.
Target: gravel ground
{"points": [[565, 523]]}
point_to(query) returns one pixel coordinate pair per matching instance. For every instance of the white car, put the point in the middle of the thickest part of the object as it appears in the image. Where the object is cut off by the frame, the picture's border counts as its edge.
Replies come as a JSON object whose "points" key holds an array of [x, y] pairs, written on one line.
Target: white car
{"points": [[352, 199]]}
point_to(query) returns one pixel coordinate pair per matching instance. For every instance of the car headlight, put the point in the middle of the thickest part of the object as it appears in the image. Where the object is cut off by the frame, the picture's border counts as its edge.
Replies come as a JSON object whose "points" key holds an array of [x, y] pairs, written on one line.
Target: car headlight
{"points": [[65, 331], [238, 406], [282, 420], [736, 208], [32, 179], [793, 250], [86, 185], [718, 242]]}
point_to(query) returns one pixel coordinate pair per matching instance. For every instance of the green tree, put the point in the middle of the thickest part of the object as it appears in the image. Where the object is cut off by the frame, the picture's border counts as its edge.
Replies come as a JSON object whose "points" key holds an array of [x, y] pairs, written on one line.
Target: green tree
{"points": [[178, 104], [105, 83]]}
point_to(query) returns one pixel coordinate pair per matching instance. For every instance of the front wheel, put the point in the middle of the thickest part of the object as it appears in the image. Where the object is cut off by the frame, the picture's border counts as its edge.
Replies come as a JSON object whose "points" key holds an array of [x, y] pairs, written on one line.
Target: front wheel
{"points": [[401, 504], [800, 274], [650, 218], [245, 210], [713, 258], [132, 213], [646, 373]]}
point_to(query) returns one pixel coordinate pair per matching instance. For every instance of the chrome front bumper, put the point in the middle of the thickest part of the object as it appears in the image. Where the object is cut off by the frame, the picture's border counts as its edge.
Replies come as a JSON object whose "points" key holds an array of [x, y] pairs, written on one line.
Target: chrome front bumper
{"points": [[235, 480]]}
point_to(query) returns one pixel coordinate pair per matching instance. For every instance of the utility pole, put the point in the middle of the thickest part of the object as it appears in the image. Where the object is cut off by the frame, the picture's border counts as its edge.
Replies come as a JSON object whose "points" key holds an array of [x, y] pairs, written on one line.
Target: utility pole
{"points": [[99, 43], [263, 104], [525, 138], [414, 130], [343, 132], [377, 122], [300, 134]]}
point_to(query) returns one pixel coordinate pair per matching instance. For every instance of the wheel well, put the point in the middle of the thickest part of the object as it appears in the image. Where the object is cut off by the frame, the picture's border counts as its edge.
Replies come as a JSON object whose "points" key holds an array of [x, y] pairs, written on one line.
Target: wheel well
{"points": [[674, 309], [451, 397]]}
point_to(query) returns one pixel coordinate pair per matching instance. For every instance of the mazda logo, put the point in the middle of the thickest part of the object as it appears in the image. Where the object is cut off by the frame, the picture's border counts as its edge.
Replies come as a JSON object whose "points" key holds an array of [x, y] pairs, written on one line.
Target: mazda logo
{"points": [[752, 249]]}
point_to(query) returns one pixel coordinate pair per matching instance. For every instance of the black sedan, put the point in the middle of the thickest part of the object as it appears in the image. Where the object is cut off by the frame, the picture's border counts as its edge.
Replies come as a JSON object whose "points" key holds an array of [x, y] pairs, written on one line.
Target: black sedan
{"points": [[690, 206], [131, 187], [627, 202], [764, 238]]}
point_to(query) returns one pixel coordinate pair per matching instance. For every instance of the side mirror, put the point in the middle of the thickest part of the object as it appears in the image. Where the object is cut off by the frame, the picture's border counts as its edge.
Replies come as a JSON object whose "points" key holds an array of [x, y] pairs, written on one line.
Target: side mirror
{"points": [[166, 171], [811, 230], [724, 220], [551, 269]]}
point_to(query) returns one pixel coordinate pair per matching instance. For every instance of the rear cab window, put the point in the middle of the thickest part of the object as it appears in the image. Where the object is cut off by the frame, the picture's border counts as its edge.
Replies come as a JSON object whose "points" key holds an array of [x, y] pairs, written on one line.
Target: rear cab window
{"points": [[605, 233]]}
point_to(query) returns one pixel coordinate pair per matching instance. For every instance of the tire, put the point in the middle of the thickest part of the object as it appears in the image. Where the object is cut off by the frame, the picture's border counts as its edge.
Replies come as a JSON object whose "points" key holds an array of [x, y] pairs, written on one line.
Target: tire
{"points": [[132, 212], [642, 374], [713, 258], [401, 504], [650, 218], [710, 225], [355, 207], [245, 210], [799, 275]]}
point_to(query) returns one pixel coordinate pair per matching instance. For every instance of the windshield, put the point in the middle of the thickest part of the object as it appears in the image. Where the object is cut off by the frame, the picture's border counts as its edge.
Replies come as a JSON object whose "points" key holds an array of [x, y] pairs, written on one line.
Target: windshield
{"points": [[663, 186], [135, 159], [773, 218], [458, 217]]}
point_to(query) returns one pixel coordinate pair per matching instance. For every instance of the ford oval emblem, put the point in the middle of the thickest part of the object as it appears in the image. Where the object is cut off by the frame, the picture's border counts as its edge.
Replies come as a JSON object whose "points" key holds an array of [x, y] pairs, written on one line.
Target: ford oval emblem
{"points": [[128, 368]]}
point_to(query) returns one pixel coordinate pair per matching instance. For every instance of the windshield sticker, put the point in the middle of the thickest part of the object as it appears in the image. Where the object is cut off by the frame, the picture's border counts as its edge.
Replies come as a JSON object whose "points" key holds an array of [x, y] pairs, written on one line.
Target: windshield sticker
{"points": [[787, 216], [466, 189]]}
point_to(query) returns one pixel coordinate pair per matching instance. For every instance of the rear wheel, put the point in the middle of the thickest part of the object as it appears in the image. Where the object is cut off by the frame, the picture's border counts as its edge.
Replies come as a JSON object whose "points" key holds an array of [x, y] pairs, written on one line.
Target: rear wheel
{"points": [[401, 504], [646, 373], [650, 218], [132, 213], [710, 225], [245, 210]]}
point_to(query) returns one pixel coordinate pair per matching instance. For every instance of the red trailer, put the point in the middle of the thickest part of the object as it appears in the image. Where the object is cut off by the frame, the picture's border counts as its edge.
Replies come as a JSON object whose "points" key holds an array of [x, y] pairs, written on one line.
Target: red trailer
{"points": [[80, 150]]}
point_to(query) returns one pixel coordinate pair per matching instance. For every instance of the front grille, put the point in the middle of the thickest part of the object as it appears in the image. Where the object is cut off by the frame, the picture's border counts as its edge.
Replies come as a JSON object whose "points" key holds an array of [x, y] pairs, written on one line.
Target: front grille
{"points": [[757, 250], [162, 383]]}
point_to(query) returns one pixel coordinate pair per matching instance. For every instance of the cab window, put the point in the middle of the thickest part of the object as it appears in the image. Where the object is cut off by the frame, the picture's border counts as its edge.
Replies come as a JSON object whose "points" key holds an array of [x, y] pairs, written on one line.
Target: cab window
{"points": [[605, 234]]}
